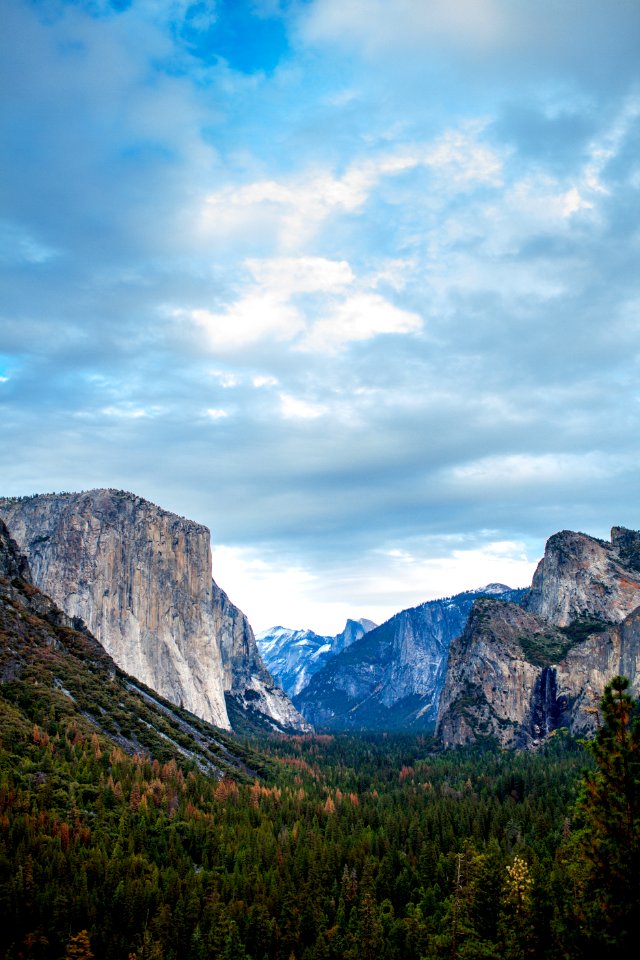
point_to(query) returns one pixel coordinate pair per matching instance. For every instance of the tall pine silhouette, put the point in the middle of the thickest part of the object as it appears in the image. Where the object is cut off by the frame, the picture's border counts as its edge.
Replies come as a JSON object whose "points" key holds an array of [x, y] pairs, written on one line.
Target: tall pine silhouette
{"points": [[606, 895]]}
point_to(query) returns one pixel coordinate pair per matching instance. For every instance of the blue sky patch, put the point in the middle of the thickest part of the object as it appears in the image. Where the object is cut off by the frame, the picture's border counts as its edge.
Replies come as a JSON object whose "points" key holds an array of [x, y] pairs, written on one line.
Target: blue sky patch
{"points": [[248, 42]]}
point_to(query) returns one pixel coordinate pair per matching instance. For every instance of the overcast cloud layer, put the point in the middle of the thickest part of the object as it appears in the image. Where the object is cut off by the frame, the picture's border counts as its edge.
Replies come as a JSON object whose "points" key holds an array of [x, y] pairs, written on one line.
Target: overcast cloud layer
{"points": [[353, 282]]}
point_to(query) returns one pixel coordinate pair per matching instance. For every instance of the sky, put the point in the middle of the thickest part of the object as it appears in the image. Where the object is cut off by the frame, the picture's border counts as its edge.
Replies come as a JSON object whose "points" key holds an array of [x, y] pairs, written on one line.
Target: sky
{"points": [[355, 283]]}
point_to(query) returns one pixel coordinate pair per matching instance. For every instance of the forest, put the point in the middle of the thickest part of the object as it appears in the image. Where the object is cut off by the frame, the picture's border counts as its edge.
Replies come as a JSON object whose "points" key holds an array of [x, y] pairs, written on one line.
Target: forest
{"points": [[343, 847]]}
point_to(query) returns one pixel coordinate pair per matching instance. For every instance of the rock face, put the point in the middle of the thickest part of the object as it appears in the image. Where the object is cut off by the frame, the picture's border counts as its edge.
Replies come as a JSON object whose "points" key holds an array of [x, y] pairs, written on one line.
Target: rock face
{"points": [[392, 677], [78, 682], [491, 682], [18, 596], [140, 578], [294, 656], [515, 675], [581, 577]]}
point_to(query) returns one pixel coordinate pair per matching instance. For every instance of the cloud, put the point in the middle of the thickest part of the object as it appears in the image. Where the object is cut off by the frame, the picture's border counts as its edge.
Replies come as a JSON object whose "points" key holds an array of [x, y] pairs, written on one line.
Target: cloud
{"points": [[463, 161], [254, 317], [340, 314], [293, 408], [386, 581], [528, 470], [360, 317], [286, 276], [375, 273], [293, 210], [261, 381], [225, 378], [582, 39]]}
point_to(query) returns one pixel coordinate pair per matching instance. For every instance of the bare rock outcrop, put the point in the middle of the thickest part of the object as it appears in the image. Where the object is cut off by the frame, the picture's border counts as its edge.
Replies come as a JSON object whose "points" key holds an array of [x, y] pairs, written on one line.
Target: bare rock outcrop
{"points": [[588, 666], [490, 683], [140, 578], [580, 576]]}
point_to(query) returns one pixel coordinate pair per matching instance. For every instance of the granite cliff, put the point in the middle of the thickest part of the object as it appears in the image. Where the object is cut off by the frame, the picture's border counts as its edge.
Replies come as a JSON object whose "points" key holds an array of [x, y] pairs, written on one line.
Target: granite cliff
{"points": [[140, 578], [52, 667], [580, 577], [515, 675], [391, 677]]}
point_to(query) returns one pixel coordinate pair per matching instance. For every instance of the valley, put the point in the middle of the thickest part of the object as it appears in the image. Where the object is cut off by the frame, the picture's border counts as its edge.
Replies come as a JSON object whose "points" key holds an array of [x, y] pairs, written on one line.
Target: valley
{"points": [[133, 828]]}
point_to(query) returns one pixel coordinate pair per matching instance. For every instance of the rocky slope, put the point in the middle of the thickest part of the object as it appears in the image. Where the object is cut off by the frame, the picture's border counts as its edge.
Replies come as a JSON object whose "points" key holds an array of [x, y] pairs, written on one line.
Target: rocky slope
{"points": [[294, 656], [140, 578], [392, 677], [51, 667], [515, 675]]}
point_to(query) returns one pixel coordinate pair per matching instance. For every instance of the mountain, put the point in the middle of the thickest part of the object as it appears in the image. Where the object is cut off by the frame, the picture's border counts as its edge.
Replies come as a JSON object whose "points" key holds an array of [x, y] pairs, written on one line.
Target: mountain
{"points": [[391, 677], [581, 576], [53, 671], [516, 675], [294, 656], [140, 578]]}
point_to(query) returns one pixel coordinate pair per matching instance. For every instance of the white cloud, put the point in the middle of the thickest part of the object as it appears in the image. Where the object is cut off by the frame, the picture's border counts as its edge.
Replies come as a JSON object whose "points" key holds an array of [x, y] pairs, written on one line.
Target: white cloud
{"points": [[359, 317], [295, 408], [413, 577], [125, 412], [217, 413], [285, 276], [293, 210], [267, 591], [254, 317], [606, 146], [462, 161], [263, 380], [394, 273], [346, 313], [378, 590]]}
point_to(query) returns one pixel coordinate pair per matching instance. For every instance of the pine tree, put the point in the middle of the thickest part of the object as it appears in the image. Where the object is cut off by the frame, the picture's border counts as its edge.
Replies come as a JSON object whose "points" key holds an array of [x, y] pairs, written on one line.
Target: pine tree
{"points": [[79, 947], [606, 861], [516, 921]]}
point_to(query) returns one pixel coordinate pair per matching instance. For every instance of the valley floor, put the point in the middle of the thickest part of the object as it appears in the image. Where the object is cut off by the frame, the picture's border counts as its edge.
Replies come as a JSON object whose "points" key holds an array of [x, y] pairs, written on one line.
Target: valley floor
{"points": [[346, 848]]}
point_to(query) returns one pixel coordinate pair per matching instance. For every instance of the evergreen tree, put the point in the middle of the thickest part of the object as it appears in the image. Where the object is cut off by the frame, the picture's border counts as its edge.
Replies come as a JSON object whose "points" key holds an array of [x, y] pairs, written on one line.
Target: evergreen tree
{"points": [[605, 867], [79, 947]]}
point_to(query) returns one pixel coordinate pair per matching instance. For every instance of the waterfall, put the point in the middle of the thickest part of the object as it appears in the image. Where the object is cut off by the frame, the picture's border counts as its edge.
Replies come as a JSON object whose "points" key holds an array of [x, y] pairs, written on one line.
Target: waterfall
{"points": [[544, 712]]}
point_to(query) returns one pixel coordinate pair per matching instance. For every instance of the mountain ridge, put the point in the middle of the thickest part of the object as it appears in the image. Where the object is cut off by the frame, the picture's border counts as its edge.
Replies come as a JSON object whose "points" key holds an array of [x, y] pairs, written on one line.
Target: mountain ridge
{"points": [[392, 676], [294, 656]]}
